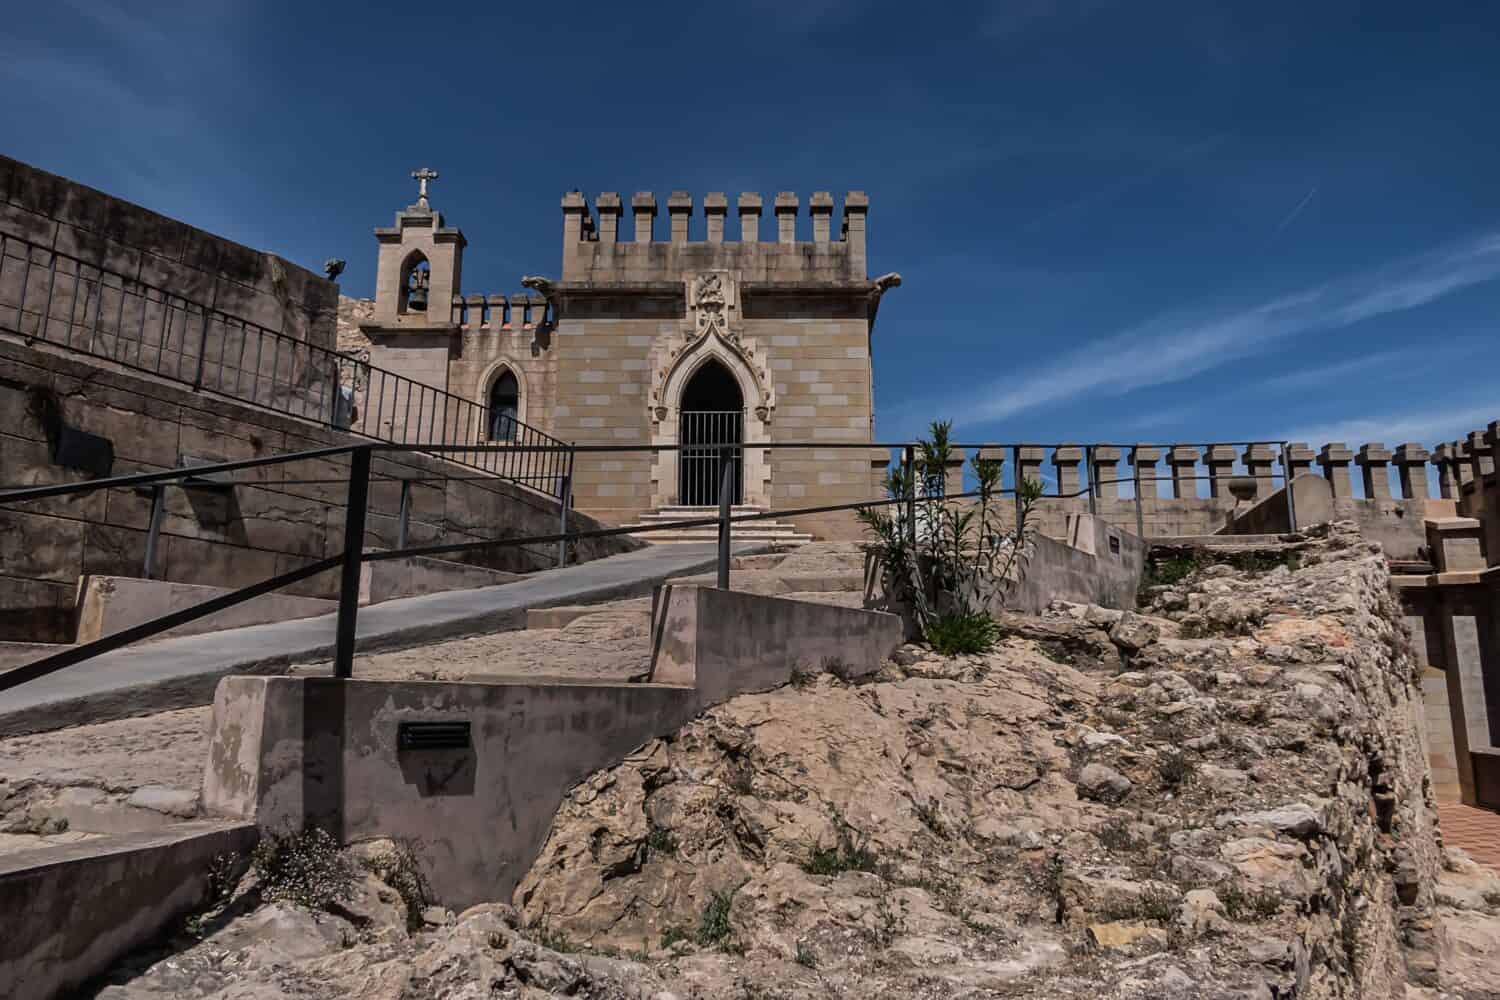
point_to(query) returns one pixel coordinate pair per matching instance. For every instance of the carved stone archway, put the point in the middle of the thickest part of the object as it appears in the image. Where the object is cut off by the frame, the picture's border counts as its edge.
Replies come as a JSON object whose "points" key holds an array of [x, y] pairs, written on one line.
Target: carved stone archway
{"points": [[711, 329]]}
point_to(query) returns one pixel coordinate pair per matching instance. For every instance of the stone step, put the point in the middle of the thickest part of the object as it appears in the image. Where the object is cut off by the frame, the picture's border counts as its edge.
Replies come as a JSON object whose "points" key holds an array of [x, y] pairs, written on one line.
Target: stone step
{"points": [[687, 535]]}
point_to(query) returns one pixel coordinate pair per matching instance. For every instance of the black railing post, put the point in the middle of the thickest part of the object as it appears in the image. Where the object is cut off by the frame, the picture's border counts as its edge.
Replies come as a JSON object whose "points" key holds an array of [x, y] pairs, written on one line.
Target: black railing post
{"points": [[202, 348], [564, 500], [726, 498], [403, 522], [1286, 479], [1019, 478], [1140, 517], [153, 530], [1088, 476], [911, 494], [354, 548]]}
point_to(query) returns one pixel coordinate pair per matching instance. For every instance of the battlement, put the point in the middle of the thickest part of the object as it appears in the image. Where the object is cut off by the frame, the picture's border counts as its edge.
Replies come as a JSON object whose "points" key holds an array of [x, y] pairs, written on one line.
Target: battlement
{"points": [[521, 311], [595, 249]]}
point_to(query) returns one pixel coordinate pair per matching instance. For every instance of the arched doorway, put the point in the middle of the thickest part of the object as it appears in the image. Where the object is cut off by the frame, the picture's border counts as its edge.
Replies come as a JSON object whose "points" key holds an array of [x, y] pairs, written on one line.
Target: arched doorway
{"points": [[712, 412], [505, 406]]}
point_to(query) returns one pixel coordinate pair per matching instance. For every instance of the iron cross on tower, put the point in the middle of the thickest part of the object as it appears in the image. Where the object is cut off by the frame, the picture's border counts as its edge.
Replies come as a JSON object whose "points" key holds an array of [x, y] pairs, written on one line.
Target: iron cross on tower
{"points": [[422, 176]]}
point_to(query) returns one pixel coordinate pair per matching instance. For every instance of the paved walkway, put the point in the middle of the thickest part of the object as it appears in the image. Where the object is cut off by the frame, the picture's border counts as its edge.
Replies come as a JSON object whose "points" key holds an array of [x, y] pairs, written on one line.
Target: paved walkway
{"points": [[1477, 831], [176, 673]]}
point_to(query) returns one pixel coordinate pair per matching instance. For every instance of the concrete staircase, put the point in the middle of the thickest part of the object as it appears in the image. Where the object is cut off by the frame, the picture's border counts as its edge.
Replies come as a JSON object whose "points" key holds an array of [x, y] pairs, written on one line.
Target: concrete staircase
{"points": [[774, 532]]}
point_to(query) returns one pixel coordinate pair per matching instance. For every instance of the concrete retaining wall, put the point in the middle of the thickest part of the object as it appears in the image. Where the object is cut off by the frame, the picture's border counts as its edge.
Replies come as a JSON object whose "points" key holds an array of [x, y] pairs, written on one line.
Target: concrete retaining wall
{"points": [[1098, 564], [71, 911], [287, 751], [393, 578], [109, 604], [724, 642]]}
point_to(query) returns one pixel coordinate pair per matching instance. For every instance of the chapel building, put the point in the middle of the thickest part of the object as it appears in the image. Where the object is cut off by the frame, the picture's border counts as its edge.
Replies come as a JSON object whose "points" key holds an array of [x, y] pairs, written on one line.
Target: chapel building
{"points": [[645, 341]]}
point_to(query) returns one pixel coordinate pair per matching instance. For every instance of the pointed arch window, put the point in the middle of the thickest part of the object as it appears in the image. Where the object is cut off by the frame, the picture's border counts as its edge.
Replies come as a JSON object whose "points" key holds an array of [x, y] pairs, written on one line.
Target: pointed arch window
{"points": [[505, 406]]}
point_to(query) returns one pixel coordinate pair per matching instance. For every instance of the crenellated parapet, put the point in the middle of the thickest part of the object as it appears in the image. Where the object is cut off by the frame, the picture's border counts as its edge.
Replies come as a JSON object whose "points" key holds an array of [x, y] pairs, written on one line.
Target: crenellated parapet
{"points": [[596, 250], [498, 313]]}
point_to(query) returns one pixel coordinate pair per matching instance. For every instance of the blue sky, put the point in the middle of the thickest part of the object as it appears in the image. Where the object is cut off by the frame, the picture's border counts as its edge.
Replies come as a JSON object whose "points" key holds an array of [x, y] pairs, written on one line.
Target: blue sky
{"points": [[1148, 221]]}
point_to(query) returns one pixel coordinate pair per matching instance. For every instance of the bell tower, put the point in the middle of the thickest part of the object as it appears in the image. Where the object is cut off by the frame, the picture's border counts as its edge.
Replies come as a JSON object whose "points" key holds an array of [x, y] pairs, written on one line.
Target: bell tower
{"points": [[413, 331], [420, 264]]}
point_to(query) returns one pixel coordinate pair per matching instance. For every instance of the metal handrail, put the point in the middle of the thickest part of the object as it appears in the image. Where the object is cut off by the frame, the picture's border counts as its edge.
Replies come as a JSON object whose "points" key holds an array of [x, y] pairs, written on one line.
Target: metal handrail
{"points": [[354, 555], [326, 387]]}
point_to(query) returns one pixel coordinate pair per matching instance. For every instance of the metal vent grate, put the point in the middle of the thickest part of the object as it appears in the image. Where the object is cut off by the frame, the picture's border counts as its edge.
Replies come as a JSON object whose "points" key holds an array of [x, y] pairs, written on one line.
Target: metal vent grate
{"points": [[432, 736]]}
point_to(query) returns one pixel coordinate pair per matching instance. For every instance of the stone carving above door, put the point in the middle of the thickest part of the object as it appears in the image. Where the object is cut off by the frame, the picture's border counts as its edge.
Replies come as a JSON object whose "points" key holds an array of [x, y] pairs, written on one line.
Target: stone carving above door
{"points": [[713, 324]]}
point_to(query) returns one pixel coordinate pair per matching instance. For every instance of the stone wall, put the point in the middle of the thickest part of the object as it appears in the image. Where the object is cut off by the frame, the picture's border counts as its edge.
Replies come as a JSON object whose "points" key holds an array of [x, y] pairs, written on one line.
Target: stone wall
{"points": [[263, 529], [97, 231]]}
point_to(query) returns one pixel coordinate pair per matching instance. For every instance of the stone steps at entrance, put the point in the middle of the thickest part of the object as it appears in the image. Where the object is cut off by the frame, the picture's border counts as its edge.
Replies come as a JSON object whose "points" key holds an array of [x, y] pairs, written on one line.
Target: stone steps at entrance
{"points": [[779, 532]]}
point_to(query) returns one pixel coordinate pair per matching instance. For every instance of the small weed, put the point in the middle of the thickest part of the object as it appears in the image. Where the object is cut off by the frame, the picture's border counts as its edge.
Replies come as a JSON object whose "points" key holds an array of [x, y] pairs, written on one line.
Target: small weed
{"points": [[850, 854], [1051, 884], [956, 634], [741, 779], [713, 925], [1165, 572], [661, 841], [806, 957], [803, 677], [555, 940], [1261, 904], [837, 667], [306, 868], [1116, 836], [930, 816], [674, 935], [1176, 768], [222, 876], [1159, 905], [401, 869], [1055, 651], [892, 923]]}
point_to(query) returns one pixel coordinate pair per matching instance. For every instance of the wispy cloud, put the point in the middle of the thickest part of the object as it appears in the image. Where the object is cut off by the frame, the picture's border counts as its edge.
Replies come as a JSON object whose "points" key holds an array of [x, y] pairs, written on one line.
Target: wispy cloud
{"points": [[1098, 197], [1397, 364], [1178, 346], [1428, 426], [1291, 216]]}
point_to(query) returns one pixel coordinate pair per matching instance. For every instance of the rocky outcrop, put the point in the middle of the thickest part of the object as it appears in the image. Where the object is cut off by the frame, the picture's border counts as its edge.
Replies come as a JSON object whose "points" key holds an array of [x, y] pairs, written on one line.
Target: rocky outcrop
{"points": [[1222, 794], [1231, 783]]}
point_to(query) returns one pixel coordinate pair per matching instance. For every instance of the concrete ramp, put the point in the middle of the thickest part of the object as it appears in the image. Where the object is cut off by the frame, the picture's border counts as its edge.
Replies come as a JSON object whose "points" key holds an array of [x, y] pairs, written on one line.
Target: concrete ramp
{"points": [[179, 672]]}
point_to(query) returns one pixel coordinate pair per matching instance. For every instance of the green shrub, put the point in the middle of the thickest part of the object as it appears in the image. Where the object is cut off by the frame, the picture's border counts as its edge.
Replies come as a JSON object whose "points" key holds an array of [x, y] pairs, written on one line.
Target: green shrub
{"points": [[306, 868], [955, 634], [949, 556], [713, 926], [806, 957]]}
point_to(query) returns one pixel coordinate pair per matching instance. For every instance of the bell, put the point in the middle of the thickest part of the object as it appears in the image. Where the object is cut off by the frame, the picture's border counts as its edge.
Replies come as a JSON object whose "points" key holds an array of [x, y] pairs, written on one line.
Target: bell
{"points": [[417, 301]]}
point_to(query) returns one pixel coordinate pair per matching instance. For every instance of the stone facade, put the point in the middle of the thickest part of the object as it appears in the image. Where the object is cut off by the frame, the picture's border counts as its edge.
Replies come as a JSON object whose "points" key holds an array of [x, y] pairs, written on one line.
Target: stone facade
{"points": [[603, 354]]}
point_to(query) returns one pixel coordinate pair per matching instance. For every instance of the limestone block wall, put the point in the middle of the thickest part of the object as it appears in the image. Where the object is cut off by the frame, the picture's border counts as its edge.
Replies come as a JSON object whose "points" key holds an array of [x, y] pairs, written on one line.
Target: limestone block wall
{"points": [[144, 248], [789, 317], [269, 527]]}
